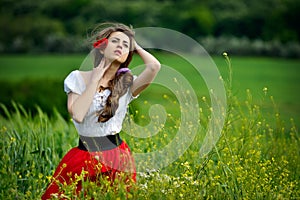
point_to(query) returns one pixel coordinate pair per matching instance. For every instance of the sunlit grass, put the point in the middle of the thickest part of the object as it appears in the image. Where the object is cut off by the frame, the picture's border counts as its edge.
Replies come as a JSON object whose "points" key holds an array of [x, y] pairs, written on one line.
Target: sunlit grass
{"points": [[256, 157]]}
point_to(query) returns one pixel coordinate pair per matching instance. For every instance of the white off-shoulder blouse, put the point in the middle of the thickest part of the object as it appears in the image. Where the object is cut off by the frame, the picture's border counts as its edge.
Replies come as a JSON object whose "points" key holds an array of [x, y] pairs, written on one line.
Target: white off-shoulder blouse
{"points": [[90, 127]]}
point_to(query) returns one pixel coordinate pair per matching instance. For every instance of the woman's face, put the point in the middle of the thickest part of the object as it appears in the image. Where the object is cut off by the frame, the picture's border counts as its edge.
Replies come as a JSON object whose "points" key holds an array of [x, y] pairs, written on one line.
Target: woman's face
{"points": [[117, 48]]}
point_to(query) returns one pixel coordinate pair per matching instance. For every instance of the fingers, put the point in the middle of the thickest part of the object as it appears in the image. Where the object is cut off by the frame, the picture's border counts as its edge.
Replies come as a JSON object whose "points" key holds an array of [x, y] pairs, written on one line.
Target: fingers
{"points": [[99, 70], [136, 46], [103, 64]]}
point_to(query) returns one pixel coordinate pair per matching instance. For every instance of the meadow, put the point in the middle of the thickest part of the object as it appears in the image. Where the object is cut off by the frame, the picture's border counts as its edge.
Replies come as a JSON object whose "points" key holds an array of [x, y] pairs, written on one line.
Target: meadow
{"points": [[280, 76], [256, 157]]}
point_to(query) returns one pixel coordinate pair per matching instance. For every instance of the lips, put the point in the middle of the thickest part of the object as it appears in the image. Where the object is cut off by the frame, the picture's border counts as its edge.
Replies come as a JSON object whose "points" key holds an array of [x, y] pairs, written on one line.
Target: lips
{"points": [[118, 52]]}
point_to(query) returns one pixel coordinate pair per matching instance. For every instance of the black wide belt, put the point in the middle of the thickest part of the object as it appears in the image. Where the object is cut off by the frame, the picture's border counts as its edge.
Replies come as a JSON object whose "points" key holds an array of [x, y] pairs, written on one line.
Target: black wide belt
{"points": [[93, 144]]}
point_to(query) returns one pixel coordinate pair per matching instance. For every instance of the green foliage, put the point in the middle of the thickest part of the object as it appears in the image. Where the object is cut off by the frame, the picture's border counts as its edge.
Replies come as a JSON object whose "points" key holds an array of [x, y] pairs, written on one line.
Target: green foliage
{"points": [[46, 93], [55, 26], [30, 148], [253, 160], [38, 80], [243, 46], [257, 156]]}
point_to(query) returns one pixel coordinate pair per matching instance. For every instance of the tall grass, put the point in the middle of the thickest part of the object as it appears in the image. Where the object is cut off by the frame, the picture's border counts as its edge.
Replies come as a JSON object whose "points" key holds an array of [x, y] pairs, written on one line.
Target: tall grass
{"points": [[31, 147], [257, 156]]}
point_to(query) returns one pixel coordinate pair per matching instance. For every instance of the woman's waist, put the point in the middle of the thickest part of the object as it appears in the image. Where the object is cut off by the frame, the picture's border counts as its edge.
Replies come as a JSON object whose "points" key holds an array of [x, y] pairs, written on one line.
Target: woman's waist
{"points": [[102, 143]]}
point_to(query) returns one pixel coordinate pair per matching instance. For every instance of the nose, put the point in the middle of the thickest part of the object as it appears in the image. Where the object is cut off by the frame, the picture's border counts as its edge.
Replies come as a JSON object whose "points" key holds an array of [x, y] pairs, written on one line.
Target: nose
{"points": [[119, 45]]}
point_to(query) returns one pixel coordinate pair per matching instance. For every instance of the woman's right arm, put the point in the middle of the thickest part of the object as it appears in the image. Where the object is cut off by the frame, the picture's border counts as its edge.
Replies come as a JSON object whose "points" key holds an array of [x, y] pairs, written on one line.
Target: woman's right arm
{"points": [[78, 105]]}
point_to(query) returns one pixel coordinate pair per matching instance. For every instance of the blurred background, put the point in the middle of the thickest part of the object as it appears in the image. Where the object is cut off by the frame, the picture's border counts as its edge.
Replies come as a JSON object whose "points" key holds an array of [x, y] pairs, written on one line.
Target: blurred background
{"points": [[41, 41], [243, 27]]}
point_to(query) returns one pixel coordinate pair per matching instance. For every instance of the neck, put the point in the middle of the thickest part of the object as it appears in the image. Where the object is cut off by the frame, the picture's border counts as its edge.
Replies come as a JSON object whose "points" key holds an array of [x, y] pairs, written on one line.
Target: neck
{"points": [[111, 71]]}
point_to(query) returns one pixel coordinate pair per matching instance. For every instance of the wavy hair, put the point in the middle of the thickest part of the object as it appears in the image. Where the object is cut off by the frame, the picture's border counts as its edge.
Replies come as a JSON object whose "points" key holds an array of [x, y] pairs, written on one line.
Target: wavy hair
{"points": [[120, 84]]}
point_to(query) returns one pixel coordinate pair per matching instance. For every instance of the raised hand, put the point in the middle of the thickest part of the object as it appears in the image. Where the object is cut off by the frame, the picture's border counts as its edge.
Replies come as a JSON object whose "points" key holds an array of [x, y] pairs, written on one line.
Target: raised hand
{"points": [[99, 71]]}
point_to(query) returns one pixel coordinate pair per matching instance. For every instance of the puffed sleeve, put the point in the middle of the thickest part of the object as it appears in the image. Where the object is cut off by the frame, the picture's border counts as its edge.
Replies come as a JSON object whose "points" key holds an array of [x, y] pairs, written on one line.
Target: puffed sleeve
{"points": [[74, 83]]}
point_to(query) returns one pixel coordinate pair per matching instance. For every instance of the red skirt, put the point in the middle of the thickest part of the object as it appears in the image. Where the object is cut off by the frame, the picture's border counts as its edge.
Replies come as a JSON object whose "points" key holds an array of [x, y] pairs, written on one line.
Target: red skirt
{"points": [[109, 163]]}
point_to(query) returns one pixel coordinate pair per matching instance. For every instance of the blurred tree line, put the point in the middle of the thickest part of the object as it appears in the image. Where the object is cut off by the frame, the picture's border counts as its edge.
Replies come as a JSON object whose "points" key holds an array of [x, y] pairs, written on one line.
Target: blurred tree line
{"points": [[268, 26]]}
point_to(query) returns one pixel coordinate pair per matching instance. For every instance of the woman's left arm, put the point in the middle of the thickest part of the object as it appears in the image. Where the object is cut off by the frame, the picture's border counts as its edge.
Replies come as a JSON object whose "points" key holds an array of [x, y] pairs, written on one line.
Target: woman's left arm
{"points": [[149, 73]]}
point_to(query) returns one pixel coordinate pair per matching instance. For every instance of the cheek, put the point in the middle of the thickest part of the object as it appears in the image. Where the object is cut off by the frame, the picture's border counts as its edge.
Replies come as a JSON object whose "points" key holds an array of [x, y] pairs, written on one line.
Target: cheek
{"points": [[108, 49], [107, 53]]}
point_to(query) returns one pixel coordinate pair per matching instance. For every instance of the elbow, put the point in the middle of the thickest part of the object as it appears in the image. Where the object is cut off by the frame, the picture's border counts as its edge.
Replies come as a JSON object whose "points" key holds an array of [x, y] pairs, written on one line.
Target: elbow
{"points": [[75, 112], [156, 66], [76, 118]]}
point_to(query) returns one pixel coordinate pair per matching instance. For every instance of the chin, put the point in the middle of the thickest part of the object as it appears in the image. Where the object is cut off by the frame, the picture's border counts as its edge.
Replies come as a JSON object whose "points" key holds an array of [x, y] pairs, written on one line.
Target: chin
{"points": [[118, 59], [121, 59]]}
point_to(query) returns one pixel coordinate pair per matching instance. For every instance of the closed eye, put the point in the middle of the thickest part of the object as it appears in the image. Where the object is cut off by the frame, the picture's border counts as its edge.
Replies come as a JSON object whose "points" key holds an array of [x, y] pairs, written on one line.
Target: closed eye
{"points": [[116, 40], [125, 44]]}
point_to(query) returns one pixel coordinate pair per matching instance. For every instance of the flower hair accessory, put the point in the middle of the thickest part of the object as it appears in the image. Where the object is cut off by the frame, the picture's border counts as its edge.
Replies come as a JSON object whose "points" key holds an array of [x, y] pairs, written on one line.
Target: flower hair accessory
{"points": [[101, 43], [123, 70]]}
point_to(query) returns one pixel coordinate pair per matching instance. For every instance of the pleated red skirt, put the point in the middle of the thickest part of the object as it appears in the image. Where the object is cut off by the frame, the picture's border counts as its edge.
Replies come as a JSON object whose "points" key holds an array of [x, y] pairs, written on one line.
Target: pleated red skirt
{"points": [[109, 163]]}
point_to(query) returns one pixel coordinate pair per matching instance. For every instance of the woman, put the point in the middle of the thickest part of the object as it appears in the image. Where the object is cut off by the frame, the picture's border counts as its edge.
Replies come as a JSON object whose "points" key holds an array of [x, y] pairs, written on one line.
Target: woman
{"points": [[97, 102]]}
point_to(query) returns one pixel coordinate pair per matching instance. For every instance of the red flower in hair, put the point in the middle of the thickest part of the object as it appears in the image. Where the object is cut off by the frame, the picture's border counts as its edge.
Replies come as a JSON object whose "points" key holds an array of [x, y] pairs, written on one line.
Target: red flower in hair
{"points": [[101, 43]]}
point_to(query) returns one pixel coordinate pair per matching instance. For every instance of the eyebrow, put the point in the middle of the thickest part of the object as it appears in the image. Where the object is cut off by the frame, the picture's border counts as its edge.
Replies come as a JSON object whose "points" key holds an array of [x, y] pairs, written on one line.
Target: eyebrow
{"points": [[119, 39]]}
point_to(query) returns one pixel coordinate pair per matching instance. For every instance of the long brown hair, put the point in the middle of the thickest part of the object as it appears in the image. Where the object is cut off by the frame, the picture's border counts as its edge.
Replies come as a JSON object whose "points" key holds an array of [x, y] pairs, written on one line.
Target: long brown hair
{"points": [[120, 84]]}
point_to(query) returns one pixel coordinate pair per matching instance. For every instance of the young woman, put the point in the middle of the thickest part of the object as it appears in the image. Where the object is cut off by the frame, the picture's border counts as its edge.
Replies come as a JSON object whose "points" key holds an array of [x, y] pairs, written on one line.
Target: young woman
{"points": [[97, 102]]}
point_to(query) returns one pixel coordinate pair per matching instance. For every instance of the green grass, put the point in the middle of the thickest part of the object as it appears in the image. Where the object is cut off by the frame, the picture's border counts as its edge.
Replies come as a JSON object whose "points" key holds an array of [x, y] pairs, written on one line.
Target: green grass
{"points": [[256, 157], [280, 76], [252, 160], [18, 67]]}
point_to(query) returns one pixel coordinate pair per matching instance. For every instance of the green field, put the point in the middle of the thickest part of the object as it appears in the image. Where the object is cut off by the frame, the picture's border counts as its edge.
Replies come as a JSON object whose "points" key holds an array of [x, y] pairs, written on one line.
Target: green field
{"points": [[280, 76], [257, 155]]}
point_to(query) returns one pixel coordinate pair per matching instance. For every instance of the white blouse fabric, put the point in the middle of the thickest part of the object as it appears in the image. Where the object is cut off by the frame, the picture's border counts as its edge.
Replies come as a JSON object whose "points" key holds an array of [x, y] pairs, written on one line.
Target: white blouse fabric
{"points": [[90, 127]]}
